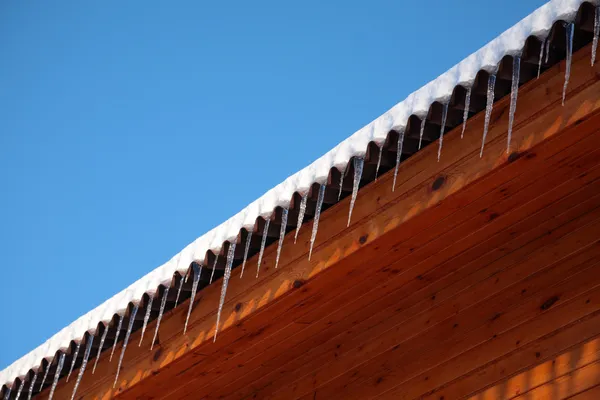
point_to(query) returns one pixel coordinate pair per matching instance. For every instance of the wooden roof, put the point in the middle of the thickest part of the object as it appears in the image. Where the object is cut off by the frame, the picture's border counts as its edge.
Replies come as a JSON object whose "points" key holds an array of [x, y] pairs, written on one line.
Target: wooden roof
{"points": [[472, 270]]}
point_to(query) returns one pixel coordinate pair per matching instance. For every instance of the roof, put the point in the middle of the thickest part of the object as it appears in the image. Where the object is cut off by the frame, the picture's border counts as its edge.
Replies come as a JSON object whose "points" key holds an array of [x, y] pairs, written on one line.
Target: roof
{"points": [[424, 104]]}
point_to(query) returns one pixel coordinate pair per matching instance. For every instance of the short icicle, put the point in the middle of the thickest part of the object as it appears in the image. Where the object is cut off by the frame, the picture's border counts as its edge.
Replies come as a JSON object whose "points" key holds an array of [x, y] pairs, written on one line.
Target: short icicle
{"points": [[547, 51], [179, 291], [262, 245], [74, 360], [228, 265], [358, 170], [421, 131], [31, 386], [246, 250], [284, 218], [119, 325], [194, 289], [378, 162], [398, 156], [127, 334], [570, 29], [102, 340], [466, 111], [86, 356], [146, 318], [342, 182], [213, 269], [443, 127], [488, 109], [514, 91], [6, 394], [540, 60], [160, 315], [20, 390], [59, 367], [596, 34], [315, 228], [301, 213]]}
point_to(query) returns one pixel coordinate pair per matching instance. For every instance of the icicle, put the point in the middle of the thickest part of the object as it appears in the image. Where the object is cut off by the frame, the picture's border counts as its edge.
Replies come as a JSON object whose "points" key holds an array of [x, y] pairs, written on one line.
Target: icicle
{"points": [[194, 289], [313, 235], [358, 170], [160, 314], [179, 292], [6, 394], [421, 132], [230, 254], [488, 109], [146, 318], [45, 376], [570, 29], [540, 59], [378, 162], [31, 385], [102, 339], [466, 111], [20, 390], [444, 115], [547, 49], [74, 360], [213, 269], [596, 34], [248, 239], [119, 325], [514, 91], [301, 213], [342, 182], [262, 245], [86, 356], [398, 155], [284, 218], [59, 367], [129, 328]]}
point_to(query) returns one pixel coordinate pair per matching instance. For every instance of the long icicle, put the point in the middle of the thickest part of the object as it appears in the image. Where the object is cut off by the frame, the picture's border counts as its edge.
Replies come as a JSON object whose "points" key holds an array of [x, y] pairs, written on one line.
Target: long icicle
{"points": [[45, 375], [160, 315], [228, 265], [301, 214], [262, 245], [194, 289], [102, 339], [179, 291], [466, 111], [570, 29], [488, 109], [31, 386], [129, 328], [540, 59], [398, 155], [86, 356], [213, 269], [74, 360], [315, 228], [146, 318], [378, 161], [514, 92], [20, 390], [284, 218], [59, 367], [246, 250], [358, 170], [421, 130], [596, 34], [443, 127], [119, 325]]}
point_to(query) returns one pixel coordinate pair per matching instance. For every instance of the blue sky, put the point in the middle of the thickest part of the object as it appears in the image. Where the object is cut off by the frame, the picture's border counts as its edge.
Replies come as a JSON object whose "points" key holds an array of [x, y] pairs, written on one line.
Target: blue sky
{"points": [[128, 129]]}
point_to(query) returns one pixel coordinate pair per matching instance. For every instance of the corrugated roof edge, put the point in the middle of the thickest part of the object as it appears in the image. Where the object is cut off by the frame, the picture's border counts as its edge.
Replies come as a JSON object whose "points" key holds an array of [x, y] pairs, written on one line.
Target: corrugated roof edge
{"points": [[511, 42]]}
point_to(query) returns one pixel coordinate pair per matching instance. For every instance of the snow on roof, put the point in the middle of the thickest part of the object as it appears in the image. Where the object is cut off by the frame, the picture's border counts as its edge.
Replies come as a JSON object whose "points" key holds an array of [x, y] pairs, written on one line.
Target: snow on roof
{"points": [[511, 42]]}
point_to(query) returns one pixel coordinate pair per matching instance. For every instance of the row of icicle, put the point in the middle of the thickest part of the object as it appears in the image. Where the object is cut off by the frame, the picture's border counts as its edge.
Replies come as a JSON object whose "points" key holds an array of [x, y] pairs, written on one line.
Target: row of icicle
{"points": [[358, 164]]}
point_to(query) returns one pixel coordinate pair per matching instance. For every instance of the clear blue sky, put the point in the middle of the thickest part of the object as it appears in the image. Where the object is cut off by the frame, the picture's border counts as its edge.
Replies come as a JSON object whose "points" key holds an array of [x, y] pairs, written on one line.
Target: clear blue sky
{"points": [[128, 129]]}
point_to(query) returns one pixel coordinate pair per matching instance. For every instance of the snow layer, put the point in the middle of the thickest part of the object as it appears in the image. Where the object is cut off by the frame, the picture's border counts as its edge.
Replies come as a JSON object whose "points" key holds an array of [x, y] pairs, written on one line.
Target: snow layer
{"points": [[511, 42]]}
